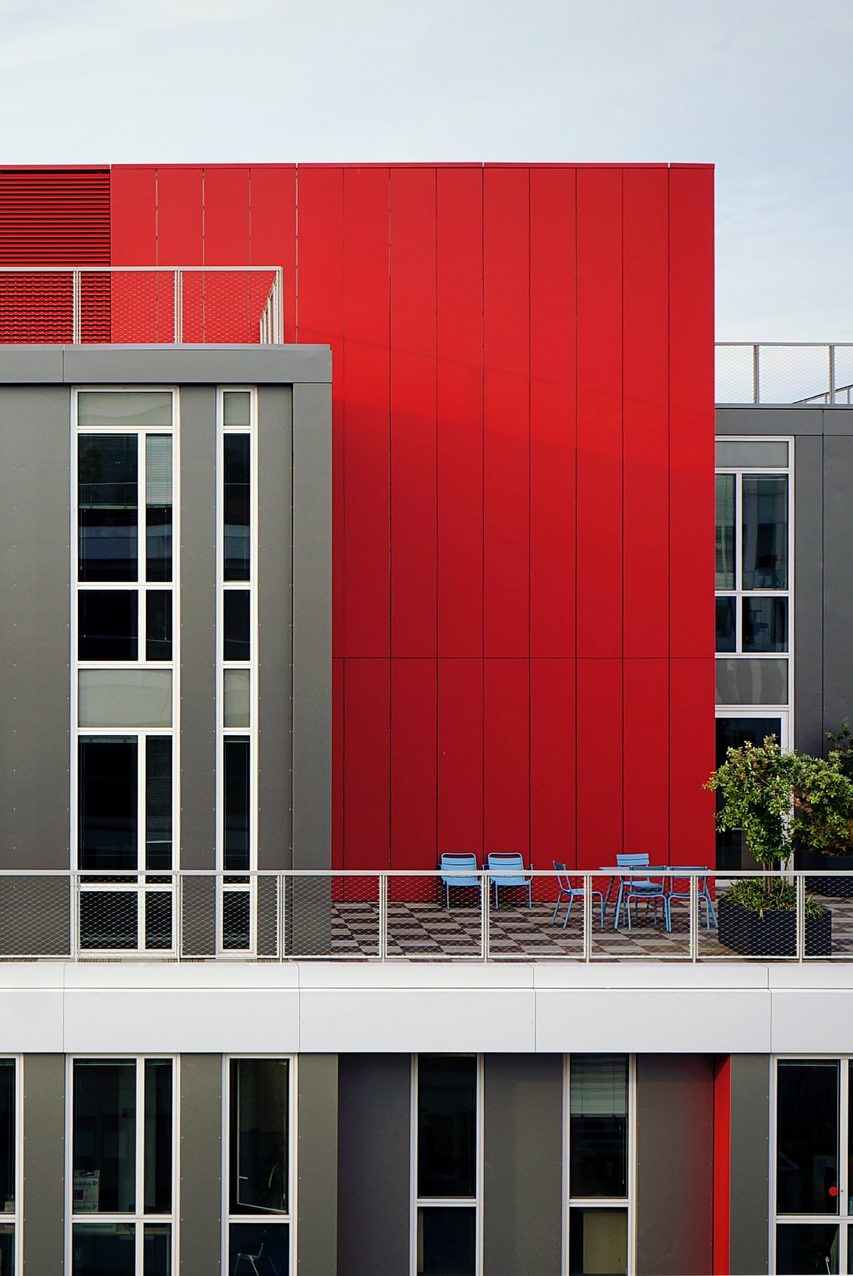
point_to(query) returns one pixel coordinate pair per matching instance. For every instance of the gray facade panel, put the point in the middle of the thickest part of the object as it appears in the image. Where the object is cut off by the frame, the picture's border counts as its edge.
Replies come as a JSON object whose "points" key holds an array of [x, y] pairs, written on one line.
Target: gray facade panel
{"points": [[837, 580], [275, 551], [373, 1164], [201, 1158], [764, 419], [35, 571], [193, 364], [675, 1145], [749, 1185], [808, 593], [317, 1165], [522, 1182], [312, 626], [198, 627], [44, 1163]]}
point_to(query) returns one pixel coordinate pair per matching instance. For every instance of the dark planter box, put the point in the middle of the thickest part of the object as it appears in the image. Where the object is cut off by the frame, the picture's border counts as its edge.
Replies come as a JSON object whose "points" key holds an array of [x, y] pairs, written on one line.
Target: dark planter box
{"points": [[836, 887], [774, 934]]}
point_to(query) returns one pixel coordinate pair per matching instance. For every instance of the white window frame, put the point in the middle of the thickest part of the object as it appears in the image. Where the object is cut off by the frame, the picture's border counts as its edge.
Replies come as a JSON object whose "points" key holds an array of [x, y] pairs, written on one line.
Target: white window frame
{"points": [[142, 588], [451, 1202], [139, 1218], [16, 1217], [843, 1220], [251, 732], [738, 593], [292, 1177], [602, 1202]]}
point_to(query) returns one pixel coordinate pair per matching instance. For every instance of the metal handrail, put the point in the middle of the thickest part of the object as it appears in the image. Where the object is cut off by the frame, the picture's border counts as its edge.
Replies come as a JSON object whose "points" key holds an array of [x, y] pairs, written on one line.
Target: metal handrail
{"points": [[754, 375]]}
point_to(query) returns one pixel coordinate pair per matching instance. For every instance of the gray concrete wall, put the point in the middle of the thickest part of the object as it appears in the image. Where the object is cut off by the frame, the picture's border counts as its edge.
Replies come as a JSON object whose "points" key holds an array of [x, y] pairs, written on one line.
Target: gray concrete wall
{"points": [[373, 1164], [675, 1143], [523, 1155], [750, 1169], [317, 1164], [44, 1163], [201, 1159]]}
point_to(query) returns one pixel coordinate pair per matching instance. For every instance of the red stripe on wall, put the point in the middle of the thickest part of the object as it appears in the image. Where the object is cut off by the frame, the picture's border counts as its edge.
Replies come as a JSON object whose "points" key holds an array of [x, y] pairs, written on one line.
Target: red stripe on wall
{"points": [[273, 229], [366, 713], [645, 759], [552, 762], [691, 753], [599, 762], [722, 1166], [506, 757], [460, 755], [180, 217], [133, 216], [413, 769]]}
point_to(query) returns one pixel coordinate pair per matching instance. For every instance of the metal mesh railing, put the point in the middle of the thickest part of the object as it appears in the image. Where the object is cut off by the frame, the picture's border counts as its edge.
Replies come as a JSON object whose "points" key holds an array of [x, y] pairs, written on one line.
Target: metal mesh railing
{"points": [[141, 305], [776, 372], [655, 913]]}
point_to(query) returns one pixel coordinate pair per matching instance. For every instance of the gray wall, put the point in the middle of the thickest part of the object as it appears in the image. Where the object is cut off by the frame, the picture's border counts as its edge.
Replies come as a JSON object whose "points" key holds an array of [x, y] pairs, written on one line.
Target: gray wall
{"points": [[373, 1164], [44, 1163], [675, 1144], [823, 563], [317, 1164], [201, 1159], [750, 1152], [523, 1158]]}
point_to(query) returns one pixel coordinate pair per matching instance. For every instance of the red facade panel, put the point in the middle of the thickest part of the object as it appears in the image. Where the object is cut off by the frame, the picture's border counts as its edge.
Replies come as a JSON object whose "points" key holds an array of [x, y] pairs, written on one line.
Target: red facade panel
{"points": [[522, 496]]}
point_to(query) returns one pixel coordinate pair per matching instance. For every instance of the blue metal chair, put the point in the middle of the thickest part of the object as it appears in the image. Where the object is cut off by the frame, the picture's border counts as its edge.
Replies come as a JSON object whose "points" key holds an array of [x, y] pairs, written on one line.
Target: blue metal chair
{"points": [[703, 890], [459, 872], [640, 889], [508, 871], [640, 860], [568, 891]]}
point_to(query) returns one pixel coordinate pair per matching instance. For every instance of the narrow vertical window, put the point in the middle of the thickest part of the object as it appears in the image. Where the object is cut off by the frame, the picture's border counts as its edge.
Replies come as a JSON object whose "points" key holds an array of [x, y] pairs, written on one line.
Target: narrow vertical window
{"points": [[8, 1167], [158, 507], [447, 1168], [599, 1165], [236, 478], [122, 1180], [258, 1186]]}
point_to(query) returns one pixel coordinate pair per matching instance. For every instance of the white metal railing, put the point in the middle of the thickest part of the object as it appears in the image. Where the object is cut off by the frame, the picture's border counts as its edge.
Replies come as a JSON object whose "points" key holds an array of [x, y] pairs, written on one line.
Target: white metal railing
{"points": [[654, 913], [784, 372], [141, 304]]}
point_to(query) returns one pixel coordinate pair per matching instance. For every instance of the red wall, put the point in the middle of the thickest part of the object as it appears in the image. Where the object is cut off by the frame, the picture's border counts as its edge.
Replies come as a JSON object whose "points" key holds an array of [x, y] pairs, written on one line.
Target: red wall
{"points": [[522, 476]]}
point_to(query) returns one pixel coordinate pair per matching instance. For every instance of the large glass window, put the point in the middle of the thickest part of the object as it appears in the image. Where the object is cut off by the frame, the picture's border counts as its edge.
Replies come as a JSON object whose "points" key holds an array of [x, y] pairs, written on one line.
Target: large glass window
{"points": [[258, 1181], [813, 1173], [123, 1173], [599, 1164], [9, 1234], [447, 1157], [124, 687]]}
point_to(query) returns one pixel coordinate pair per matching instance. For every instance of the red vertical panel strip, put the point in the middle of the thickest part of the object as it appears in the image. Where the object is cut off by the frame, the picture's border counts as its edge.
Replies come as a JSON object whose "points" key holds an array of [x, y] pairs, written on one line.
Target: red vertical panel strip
{"points": [[179, 217], [692, 413], [506, 755], [366, 764], [722, 1165], [226, 216], [413, 421], [338, 675], [691, 754], [599, 456], [552, 412], [273, 229], [599, 769], [459, 387], [645, 363], [367, 496], [321, 280], [460, 755], [552, 762], [646, 759], [133, 216], [506, 410], [413, 770]]}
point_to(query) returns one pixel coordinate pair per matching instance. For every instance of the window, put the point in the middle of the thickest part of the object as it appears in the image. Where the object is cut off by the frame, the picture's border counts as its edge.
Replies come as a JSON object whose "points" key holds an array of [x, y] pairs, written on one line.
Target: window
{"points": [[600, 1164], [10, 1168], [123, 1167], [258, 1158], [446, 1140], [237, 664], [124, 692], [812, 1174]]}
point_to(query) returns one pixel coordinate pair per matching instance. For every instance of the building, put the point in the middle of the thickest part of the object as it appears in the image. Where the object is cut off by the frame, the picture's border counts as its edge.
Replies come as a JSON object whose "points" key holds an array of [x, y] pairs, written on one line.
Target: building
{"points": [[421, 458]]}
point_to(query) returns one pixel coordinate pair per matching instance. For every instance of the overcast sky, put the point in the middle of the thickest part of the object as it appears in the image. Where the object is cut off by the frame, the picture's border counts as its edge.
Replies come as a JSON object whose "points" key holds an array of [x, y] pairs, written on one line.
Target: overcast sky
{"points": [[761, 88]]}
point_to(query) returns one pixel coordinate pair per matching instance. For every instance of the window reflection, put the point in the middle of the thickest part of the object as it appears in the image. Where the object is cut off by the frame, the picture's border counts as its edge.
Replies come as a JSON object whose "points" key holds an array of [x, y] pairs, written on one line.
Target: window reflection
{"points": [[765, 531], [725, 541], [598, 1130], [107, 506], [807, 1138], [447, 1125], [765, 624]]}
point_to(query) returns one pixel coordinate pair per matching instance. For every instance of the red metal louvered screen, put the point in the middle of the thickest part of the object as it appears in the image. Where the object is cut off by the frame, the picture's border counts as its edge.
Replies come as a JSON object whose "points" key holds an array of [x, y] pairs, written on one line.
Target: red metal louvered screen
{"points": [[53, 217]]}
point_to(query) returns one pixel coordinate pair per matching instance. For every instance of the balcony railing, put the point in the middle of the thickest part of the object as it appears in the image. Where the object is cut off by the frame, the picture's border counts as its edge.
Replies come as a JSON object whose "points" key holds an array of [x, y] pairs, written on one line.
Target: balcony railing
{"points": [[393, 916], [141, 305], [779, 372]]}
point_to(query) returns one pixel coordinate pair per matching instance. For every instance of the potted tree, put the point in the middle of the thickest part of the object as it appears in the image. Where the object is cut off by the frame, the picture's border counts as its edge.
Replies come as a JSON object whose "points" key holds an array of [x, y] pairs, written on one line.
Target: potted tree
{"points": [[779, 800]]}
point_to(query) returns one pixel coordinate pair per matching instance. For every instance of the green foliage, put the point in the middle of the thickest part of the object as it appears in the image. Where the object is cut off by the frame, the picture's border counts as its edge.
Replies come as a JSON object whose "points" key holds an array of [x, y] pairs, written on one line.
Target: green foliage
{"points": [[842, 744], [773, 894]]}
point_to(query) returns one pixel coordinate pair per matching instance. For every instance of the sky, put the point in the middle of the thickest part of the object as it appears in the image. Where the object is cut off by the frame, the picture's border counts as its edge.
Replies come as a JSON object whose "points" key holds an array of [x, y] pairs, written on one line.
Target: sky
{"points": [[760, 88]]}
